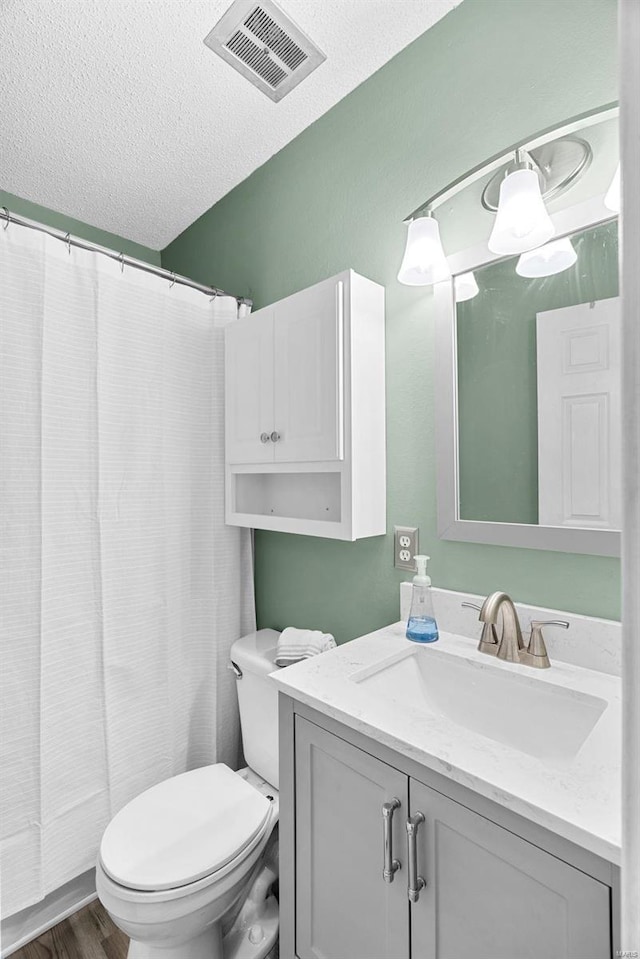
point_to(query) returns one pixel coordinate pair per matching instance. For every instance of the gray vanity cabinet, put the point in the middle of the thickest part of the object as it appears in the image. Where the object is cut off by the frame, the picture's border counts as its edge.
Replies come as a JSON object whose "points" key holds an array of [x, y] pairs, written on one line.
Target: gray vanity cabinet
{"points": [[492, 895], [344, 908], [489, 892]]}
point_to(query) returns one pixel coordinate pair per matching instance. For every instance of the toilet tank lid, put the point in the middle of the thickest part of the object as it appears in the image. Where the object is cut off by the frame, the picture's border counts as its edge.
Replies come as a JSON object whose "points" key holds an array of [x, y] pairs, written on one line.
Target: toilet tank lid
{"points": [[256, 652]]}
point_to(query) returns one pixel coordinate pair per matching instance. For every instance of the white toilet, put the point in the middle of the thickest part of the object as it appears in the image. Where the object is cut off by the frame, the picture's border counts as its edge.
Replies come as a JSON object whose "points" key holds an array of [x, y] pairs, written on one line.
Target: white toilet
{"points": [[186, 869]]}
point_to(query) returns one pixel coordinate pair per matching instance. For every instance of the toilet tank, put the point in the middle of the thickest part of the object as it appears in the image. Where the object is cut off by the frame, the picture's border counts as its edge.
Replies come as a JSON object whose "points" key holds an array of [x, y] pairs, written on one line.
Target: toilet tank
{"points": [[254, 657]]}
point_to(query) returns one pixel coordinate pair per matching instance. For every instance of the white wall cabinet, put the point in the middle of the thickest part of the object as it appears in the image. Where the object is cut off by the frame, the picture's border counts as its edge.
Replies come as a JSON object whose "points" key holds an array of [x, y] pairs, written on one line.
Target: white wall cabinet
{"points": [[488, 892], [305, 412]]}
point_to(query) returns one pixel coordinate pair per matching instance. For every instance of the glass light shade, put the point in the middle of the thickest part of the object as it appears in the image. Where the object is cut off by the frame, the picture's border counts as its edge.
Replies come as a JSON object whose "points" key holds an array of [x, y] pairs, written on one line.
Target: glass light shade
{"points": [[547, 260], [424, 261], [522, 222], [612, 197], [465, 287]]}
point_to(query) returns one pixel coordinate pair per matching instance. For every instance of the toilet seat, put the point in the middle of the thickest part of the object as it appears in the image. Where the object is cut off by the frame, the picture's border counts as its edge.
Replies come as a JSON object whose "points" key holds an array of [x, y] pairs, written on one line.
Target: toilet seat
{"points": [[183, 830]]}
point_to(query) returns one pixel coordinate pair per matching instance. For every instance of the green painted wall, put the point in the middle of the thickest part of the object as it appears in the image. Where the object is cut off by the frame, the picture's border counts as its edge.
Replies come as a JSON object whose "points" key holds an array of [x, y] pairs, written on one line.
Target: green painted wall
{"points": [[33, 211], [497, 374], [487, 75]]}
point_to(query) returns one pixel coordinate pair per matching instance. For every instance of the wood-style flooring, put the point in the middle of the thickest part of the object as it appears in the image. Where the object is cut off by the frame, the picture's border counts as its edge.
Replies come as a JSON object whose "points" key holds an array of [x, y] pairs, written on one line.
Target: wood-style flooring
{"points": [[88, 934]]}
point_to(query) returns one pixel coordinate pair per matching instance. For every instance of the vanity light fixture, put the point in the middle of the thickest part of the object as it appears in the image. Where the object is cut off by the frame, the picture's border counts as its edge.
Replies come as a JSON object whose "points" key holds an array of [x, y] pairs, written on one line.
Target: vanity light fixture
{"points": [[515, 185], [547, 260], [522, 222], [424, 261], [465, 287], [612, 197]]}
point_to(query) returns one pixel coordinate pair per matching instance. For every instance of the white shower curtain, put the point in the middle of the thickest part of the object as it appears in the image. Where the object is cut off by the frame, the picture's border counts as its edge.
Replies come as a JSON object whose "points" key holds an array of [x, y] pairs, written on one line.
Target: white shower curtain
{"points": [[121, 587]]}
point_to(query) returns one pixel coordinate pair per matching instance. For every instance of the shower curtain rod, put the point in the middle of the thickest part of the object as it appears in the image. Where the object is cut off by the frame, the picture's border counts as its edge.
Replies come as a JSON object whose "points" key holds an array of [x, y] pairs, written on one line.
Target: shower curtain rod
{"points": [[212, 291]]}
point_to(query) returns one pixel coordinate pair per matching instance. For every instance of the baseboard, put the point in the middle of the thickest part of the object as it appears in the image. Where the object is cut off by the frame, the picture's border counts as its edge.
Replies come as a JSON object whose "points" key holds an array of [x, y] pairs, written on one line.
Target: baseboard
{"points": [[19, 929]]}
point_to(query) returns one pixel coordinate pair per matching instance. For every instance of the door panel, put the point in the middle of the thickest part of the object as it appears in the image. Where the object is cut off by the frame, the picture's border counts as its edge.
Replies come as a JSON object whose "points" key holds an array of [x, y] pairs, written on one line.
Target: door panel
{"points": [[249, 388], [344, 908], [492, 895], [308, 350], [579, 421]]}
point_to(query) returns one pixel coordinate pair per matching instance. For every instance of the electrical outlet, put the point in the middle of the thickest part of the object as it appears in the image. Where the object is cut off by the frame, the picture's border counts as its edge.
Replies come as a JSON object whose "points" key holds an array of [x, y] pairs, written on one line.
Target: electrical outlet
{"points": [[405, 547]]}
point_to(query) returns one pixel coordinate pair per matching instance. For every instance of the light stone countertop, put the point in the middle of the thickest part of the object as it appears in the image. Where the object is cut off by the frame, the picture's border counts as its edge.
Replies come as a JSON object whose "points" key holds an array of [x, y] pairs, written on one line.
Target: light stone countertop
{"points": [[578, 799]]}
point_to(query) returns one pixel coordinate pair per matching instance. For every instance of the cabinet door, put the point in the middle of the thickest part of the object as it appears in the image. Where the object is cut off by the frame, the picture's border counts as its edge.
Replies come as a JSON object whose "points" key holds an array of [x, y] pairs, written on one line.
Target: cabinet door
{"points": [[308, 338], [249, 388], [492, 895], [344, 908]]}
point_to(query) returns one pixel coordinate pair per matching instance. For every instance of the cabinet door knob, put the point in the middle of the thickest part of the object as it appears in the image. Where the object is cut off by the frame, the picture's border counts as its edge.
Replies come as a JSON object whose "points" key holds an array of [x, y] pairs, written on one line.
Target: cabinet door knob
{"points": [[416, 883], [391, 865], [275, 436], [264, 438]]}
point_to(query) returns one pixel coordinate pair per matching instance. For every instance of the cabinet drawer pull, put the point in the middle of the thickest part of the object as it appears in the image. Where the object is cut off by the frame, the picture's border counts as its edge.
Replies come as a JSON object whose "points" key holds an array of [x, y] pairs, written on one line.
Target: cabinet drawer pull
{"points": [[275, 436], [416, 883], [264, 438], [391, 865]]}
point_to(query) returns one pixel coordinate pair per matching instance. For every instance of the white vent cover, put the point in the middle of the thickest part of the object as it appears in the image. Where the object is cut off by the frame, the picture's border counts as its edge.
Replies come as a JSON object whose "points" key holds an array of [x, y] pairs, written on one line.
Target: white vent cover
{"points": [[265, 46]]}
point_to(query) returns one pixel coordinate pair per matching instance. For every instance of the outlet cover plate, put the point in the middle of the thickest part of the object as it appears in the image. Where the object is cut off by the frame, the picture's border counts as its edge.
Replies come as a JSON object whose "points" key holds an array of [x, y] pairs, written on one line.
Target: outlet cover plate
{"points": [[405, 547]]}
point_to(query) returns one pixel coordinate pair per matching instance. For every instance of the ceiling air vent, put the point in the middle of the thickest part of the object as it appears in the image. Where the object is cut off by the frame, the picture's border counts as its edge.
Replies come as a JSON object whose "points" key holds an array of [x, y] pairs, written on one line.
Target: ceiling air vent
{"points": [[265, 46]]}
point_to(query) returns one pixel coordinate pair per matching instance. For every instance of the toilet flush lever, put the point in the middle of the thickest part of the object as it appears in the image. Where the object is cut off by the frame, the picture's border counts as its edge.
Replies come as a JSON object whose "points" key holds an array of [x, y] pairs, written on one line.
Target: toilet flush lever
{"points": [[391, 865], [236, 669]]}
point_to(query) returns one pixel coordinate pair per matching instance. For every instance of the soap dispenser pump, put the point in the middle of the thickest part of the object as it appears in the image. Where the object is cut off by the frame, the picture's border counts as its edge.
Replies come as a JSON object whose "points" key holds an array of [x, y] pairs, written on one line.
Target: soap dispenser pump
{"points": [[421, 625]]}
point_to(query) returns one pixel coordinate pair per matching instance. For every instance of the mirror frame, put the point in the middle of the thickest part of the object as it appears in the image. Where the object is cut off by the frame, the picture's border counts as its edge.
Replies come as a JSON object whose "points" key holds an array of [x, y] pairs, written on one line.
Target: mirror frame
{"points": [[597, 542]]}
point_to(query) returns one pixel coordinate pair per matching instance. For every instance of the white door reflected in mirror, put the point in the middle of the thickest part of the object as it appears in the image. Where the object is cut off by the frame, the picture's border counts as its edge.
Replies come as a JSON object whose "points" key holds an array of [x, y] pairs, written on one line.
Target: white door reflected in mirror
{"points": [[579, 425]]}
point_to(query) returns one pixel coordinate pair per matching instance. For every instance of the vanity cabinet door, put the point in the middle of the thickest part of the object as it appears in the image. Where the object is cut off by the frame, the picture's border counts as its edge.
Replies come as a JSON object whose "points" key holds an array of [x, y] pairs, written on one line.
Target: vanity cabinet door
{"points": [[493, 895], [309, 374], [248, 345], [344, 908]]}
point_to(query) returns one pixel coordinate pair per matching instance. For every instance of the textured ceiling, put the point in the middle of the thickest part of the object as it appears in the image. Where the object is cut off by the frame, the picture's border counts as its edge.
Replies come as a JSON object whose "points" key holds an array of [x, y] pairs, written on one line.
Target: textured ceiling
{"points": [[115, 112]]}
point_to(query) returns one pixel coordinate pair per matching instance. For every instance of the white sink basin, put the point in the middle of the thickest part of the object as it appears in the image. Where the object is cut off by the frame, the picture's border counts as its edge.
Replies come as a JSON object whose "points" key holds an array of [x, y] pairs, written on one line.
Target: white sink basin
{"points": [[508, 706]]}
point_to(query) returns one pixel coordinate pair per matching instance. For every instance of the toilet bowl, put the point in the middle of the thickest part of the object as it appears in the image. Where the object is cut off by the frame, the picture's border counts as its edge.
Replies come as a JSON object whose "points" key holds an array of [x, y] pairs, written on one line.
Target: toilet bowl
{"points": [[177, 858], [186, 869]]}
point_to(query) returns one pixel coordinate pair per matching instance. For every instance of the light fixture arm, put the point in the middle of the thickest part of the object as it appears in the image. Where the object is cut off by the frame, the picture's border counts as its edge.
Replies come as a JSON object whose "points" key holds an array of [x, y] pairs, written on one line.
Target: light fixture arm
{"points": [[524, 160], [426, 211]]}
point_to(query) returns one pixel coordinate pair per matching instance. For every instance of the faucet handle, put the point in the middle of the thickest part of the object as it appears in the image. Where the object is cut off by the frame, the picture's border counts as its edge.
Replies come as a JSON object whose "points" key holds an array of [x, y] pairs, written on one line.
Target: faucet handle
{"points": [[489, 641], [537, 650], [550, 622]]}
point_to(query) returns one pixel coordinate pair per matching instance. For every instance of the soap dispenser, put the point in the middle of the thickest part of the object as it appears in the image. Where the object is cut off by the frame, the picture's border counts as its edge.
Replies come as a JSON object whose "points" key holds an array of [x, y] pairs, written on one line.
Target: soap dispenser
{"points": [[421, 625]]}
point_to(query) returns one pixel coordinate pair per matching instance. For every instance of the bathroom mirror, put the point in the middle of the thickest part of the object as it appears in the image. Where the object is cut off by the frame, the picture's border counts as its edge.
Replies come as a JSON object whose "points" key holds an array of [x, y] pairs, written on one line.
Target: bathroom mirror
{"points": [[528, 393]]}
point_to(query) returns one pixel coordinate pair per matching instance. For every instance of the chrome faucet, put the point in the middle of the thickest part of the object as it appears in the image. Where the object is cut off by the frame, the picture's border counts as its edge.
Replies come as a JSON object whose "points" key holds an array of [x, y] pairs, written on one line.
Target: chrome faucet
{"points": [[510, 646]]}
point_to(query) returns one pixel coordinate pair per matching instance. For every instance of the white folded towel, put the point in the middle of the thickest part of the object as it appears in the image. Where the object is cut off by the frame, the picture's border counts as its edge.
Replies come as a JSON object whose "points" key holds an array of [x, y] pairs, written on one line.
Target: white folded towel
{"points": [[296, 644]]}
